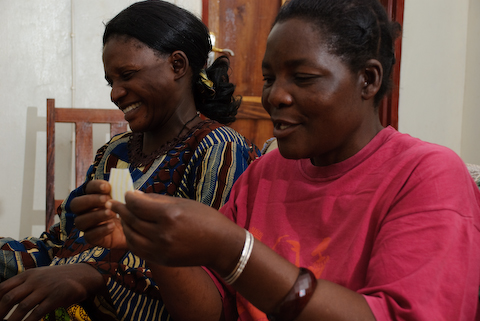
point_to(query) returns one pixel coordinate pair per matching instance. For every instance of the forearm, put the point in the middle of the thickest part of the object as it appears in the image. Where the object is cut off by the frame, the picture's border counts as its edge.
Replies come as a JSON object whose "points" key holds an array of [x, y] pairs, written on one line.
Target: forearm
{"points": [[94, 279], [268, 277], [189, 293]]}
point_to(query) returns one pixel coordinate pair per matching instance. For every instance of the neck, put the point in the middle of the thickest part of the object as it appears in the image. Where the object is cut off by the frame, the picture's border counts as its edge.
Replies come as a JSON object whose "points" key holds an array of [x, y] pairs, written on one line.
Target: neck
{"points": [[155, 140]]}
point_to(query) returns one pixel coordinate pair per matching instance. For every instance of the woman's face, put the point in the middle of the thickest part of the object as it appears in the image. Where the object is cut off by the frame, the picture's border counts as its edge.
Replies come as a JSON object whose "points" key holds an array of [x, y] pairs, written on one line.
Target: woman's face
{"points": [[314, 100], [142, 82]]}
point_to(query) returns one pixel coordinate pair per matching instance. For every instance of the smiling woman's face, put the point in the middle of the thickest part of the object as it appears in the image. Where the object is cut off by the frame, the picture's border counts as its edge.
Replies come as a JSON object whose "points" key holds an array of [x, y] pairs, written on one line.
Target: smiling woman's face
{"points": [[142, 83], [313, 98]]}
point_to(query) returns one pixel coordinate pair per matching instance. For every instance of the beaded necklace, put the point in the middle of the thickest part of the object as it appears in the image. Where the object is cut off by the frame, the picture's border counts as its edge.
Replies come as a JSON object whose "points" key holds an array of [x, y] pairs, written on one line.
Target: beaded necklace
{"points": [[135, 145]]}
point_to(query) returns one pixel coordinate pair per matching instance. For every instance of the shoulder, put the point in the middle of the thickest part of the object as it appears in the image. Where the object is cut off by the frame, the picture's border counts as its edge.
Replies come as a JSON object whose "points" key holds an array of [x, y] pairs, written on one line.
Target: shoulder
{"points": [[214, 134], [121, 136], [118, 139], [429, 171], [405, 148], [117, 142], [116, 147]]}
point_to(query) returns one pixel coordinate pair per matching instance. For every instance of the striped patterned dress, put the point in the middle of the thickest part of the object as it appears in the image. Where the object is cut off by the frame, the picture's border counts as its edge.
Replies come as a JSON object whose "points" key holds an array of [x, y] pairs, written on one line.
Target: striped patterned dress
{"points": [[202, 167]]}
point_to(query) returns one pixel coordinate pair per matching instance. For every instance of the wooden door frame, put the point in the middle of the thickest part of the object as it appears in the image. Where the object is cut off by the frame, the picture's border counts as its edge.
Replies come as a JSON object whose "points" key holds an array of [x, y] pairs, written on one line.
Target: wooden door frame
{"points": [[388, 109], [205, 4]]}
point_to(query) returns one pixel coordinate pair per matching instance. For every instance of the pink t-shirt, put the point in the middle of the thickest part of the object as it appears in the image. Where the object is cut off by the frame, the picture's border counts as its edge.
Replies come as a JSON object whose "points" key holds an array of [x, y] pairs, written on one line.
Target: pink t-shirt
{"points": [[398, 222]]}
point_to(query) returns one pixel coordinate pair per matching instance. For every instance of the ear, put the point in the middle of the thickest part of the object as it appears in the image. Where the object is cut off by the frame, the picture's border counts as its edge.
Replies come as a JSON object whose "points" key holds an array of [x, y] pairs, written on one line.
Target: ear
{"points": [[371, 78], [179, 62]]}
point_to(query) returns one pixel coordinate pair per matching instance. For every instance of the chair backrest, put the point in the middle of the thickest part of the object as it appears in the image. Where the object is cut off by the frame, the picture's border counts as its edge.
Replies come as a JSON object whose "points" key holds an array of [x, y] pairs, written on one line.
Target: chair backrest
{"points": [[83, 118]]}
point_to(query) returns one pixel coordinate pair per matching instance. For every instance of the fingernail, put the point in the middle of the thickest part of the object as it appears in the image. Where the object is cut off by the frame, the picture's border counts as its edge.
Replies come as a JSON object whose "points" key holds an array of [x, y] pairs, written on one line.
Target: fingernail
{"points": [[108, 205], [103, 198]]}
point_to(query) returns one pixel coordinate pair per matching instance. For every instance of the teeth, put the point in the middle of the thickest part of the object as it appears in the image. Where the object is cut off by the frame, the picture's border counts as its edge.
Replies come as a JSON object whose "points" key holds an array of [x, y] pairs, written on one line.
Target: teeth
{"points": [[130, 108]]}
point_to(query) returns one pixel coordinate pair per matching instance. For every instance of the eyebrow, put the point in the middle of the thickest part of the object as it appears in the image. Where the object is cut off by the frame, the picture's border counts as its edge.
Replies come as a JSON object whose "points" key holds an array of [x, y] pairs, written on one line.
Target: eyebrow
{"points": [[290, 63]]}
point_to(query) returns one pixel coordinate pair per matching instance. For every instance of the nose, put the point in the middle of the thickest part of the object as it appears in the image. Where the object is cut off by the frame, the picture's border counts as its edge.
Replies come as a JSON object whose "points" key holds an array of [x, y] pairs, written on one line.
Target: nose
{"points": [[117, 93], [277, 95]]}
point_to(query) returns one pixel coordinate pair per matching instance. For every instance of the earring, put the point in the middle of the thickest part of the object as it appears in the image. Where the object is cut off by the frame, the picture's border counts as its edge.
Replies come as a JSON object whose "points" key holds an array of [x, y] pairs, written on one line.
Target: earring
{"points": [[366, 83]]}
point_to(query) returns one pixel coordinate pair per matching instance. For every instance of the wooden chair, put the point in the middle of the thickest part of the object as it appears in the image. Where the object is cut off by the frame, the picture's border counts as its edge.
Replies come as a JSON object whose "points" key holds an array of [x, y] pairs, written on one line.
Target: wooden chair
{"points": [[83, 118]]}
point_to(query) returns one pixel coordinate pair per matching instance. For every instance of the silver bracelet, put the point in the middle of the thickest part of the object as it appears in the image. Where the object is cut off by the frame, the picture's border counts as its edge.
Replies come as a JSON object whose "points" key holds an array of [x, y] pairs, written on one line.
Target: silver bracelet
{"points": [[246, 252]]}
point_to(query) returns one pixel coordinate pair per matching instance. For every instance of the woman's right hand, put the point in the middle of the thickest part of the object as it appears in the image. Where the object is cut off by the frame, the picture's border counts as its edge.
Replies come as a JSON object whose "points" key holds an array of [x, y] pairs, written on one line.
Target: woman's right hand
{"points": [[174, 231], [43, 289], [101, 226]]}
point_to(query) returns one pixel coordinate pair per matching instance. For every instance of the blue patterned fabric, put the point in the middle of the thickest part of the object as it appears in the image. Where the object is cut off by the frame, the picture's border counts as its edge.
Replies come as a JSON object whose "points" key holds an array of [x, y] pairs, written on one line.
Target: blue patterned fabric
{"points": [[203, 167]]}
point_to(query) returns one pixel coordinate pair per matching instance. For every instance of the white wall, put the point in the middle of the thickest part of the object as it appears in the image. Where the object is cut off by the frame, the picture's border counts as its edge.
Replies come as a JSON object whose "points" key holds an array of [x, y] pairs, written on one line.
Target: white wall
{"points": [[439, 91], [470, 149], [36, 63], [439, 84]]}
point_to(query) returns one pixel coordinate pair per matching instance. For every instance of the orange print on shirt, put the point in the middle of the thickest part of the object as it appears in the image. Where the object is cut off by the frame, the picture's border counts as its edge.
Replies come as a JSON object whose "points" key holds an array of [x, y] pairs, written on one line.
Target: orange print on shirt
{"points": [[317, 267]]}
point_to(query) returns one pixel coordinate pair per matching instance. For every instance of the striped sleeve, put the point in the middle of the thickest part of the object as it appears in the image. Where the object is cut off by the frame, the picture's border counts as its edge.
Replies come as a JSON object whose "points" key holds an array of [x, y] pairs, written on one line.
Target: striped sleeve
{"points": [[217, 163]]}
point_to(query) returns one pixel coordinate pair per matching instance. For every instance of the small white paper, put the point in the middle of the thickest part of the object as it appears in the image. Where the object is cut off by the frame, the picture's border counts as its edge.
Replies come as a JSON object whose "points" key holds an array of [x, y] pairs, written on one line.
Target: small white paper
{"points": [[121, 182]]}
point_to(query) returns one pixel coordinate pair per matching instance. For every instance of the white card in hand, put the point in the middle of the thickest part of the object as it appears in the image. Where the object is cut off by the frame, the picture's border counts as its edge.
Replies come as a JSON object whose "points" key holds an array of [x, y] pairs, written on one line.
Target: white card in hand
{"points": [[121, 182]]}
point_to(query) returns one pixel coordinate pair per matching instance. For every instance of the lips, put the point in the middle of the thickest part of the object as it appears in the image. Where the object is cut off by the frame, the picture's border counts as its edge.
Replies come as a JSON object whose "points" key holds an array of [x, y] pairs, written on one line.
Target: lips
{"points": [[130, 107], [283, 128]]}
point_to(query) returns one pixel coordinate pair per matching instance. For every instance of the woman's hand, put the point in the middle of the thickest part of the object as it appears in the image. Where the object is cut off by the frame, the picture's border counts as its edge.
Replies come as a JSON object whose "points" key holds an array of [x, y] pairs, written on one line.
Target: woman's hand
{"points": [[178, 232], [101, 226], [43, 289]]}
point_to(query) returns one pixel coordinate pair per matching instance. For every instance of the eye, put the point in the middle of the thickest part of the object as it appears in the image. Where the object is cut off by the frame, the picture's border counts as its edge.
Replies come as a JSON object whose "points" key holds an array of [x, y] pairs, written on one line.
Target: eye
{"points": [[268, 80], [128, 74], [305, 79]]}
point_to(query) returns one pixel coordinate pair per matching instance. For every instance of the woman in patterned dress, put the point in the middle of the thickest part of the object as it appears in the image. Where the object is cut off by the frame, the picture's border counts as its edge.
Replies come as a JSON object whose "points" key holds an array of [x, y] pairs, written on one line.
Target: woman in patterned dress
{"points": [[155, 56]]}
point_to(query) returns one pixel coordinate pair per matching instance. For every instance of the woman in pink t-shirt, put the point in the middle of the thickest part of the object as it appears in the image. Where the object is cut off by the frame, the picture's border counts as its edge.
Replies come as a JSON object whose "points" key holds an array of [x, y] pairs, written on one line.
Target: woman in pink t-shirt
{"points": [[347, 220]]}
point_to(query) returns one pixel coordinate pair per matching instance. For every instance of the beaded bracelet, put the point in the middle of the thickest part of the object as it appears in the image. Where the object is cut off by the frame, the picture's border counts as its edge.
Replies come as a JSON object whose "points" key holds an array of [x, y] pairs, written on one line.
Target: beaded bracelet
{"points": [[246, 252], [296, 299]]}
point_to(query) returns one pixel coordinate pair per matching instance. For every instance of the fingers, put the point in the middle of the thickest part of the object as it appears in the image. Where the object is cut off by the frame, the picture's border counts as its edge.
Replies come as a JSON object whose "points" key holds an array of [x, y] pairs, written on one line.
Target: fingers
{"points": [[97, 193], [136, 241], [149, 206], [86, 203], [98, 186], [40, 290], [139, 234], [117, 207], [134, 222], [8, 300], [31, 306], [97, 234], [128, 212], [93, 219], [20, 298]]}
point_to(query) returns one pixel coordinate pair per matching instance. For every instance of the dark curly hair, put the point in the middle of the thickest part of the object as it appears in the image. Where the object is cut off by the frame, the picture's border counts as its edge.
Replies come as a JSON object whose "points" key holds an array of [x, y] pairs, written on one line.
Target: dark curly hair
{"points": [[165, 28], [356, 31]]}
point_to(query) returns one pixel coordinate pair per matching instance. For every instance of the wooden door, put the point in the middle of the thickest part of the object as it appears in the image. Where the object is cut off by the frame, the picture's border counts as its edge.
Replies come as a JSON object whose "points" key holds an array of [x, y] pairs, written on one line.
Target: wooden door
{"points": [[243, 27], [388, 109]]}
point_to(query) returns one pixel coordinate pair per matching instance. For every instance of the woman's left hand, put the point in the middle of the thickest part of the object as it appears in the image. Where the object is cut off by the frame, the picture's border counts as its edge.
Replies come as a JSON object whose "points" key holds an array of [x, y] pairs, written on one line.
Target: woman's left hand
{"points": [[101, 226]]}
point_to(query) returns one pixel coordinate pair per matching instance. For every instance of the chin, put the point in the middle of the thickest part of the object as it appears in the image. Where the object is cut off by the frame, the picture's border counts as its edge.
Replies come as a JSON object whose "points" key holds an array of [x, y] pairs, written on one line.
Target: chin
{"points": [[290, 152], [136, 128]]}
